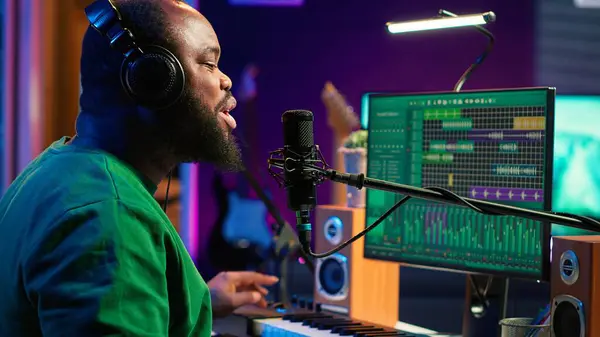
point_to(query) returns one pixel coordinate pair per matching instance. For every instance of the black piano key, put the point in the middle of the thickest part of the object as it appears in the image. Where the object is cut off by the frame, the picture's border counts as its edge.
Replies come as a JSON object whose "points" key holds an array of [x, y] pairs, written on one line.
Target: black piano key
{"points": [[338, 325], [339, 329], [330, 323], [351, 331], [302, 302], [310, 304], [381, 334], [318, 307], [299, 317], [316, 321]]}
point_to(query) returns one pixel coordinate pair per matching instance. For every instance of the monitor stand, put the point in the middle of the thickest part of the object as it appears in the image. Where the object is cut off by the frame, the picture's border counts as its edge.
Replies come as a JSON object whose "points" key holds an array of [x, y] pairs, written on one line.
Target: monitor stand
{"points": [[479, 319]]}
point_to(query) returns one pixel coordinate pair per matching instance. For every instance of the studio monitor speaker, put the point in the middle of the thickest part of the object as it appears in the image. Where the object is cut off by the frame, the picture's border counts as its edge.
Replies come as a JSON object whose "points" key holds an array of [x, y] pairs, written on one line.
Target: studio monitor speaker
{"points": [[575, 286], [346, 282]]}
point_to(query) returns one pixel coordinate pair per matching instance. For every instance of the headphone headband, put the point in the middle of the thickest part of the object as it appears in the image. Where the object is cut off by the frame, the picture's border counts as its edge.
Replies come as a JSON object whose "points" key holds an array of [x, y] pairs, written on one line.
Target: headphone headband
{"points": [[106, 19]]}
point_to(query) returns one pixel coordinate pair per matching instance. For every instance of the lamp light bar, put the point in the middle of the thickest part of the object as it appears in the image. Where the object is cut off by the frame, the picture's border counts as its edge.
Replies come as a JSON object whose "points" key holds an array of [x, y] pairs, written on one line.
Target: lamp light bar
{"points": [[440, 23]]}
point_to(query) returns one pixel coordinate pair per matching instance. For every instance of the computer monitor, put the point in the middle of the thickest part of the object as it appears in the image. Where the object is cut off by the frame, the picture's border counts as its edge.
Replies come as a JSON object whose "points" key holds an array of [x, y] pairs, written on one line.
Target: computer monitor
{"points": [[493, 145], [576, 187]]}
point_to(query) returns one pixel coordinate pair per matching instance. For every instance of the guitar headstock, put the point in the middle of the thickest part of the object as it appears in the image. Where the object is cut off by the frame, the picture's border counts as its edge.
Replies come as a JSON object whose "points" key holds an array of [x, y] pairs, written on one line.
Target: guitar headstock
{"points": [[341, 117]]}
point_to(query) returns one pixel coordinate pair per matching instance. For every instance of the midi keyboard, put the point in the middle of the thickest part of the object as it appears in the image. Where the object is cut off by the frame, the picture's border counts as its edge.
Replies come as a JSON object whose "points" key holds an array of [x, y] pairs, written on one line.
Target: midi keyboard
{"points": [[316, 324]]}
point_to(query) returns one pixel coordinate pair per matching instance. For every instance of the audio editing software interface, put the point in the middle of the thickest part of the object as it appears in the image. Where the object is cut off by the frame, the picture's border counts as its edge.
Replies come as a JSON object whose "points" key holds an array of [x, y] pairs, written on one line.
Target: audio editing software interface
{"points": [[490, 146]]}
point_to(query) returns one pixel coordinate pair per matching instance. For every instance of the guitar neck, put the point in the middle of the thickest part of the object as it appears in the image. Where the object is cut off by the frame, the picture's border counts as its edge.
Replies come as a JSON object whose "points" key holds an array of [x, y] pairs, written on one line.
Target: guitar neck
{"points": [[341, 120], [338, 196]]}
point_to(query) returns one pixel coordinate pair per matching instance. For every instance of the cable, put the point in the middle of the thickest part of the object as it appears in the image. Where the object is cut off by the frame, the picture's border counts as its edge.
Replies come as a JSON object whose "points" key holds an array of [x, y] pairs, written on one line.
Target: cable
{"points": [[443, 191], [504, 308], [166, 202], [481, 296], [282, 225], [274, 211], [488, 49]]}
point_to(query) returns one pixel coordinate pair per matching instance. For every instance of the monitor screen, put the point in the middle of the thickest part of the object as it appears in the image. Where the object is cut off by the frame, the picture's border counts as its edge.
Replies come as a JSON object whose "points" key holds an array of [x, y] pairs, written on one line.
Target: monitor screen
{"points": [[576, 187], [491, 145]]}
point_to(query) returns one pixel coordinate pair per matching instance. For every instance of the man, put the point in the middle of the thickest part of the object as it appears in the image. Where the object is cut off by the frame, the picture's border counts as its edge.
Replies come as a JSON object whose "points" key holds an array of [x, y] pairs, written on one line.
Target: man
{"points": [[86, 249]]}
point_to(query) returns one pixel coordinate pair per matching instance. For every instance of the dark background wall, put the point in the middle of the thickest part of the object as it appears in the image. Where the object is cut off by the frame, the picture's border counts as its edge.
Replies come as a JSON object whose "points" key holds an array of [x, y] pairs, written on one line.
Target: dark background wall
{"points": [[298, 49], [568, 47]]}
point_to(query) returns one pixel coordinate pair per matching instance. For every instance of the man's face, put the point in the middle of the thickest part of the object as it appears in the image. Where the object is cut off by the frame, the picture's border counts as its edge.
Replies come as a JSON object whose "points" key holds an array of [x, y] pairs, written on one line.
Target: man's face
{"points": [[201, 122]]}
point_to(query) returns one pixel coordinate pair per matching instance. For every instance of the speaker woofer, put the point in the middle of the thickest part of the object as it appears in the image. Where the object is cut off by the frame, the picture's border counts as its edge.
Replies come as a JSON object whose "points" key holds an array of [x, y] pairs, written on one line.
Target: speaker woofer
{"points": [[568, 317], [332, 277]]}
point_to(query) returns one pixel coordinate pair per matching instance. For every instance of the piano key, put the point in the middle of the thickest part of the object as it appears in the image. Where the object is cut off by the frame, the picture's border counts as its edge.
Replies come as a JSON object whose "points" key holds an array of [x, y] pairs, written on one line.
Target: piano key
{"points": [[303, 316], [330, 323], [383, 334], [339, 329], [315, 320], [351, 331]]}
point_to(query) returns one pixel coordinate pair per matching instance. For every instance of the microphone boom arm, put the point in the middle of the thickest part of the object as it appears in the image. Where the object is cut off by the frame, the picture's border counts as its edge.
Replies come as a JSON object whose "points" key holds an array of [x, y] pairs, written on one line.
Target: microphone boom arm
{"points": [[318, 170], [360, 180]]}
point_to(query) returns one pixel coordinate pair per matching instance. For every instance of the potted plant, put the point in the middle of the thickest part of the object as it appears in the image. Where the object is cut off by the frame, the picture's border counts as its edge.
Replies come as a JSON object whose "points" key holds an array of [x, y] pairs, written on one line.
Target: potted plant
{"points": [[354, 152]]}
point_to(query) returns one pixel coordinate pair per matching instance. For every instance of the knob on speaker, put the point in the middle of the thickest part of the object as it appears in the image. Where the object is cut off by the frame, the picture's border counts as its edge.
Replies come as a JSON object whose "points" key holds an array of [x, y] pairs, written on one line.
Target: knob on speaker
{"points": [[575, 274]]}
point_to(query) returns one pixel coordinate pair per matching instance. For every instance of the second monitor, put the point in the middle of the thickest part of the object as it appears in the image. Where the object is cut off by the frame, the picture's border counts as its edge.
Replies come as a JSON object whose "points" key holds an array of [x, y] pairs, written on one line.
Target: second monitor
{"points": [[490, 145]]}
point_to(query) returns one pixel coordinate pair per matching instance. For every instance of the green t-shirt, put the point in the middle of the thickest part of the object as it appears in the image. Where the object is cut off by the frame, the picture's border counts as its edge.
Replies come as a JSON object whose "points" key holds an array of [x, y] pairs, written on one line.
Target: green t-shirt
{"points": [[85, 250]]}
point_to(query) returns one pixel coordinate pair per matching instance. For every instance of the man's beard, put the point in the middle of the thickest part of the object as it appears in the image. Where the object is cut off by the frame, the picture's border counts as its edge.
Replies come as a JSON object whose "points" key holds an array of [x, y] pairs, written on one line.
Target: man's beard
{"points": [[196, 136]]}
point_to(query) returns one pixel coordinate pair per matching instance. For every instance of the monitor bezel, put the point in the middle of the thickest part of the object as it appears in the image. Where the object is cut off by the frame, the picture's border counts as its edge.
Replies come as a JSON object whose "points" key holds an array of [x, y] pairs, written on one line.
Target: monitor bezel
{"points": [[544, 275]]}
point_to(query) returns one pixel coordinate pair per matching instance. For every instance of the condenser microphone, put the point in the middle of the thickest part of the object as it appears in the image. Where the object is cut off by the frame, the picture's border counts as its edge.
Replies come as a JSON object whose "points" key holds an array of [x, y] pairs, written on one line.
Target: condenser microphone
{"points": [[299, 150]]}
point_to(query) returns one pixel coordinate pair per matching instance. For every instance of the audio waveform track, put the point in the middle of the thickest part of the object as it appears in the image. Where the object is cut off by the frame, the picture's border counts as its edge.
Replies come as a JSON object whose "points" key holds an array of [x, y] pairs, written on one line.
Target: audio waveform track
{"points": [[482, 145], [455, 233]]}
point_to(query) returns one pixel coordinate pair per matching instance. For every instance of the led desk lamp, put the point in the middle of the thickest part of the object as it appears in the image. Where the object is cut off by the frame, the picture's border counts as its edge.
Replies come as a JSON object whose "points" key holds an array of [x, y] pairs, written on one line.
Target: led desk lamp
{"points": [[450, 20]]}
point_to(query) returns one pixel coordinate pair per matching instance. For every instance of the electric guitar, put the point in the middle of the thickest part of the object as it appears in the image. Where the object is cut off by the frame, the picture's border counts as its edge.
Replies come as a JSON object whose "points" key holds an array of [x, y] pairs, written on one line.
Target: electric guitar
{"points": [[342, 120], [241, 238]]}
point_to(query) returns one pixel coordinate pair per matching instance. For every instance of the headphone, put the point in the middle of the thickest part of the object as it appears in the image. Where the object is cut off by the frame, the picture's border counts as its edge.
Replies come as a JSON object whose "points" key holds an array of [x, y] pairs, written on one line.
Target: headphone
{"points": [[151, 75]]}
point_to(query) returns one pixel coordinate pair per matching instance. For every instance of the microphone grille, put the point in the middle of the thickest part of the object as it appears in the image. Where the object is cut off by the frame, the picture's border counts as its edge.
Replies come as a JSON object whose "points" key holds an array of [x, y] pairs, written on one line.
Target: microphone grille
{"points": [[298, 128]]}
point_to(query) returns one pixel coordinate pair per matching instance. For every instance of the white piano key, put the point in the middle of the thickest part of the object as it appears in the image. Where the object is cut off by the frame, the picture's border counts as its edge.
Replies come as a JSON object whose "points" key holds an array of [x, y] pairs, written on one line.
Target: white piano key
{"points": [[277, 327]]}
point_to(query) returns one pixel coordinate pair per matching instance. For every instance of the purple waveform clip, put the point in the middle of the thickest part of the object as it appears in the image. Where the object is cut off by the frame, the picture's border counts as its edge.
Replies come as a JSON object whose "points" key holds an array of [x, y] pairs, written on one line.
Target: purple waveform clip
{"points": [[445, 226], [432, 217], [427, 227], [506, 194]]}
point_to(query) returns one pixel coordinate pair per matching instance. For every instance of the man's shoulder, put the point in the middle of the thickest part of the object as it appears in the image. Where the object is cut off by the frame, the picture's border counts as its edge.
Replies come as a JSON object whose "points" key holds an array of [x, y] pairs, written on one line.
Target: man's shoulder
{"points": [[71, 178], [58, 183]]}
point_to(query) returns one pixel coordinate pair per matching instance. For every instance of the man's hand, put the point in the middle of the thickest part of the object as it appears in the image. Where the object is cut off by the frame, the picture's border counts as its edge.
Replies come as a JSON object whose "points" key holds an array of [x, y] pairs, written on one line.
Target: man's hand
{"points": [[231, 290]]}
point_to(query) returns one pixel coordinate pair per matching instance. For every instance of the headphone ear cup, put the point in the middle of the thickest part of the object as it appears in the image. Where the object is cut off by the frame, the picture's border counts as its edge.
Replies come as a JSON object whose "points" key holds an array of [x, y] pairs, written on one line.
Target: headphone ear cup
{"points": [[154, 79]]}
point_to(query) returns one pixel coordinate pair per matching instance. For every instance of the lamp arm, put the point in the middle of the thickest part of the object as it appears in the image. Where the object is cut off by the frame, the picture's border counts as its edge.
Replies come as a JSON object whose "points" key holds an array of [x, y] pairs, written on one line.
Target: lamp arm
{"points": [[488, 49]]}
